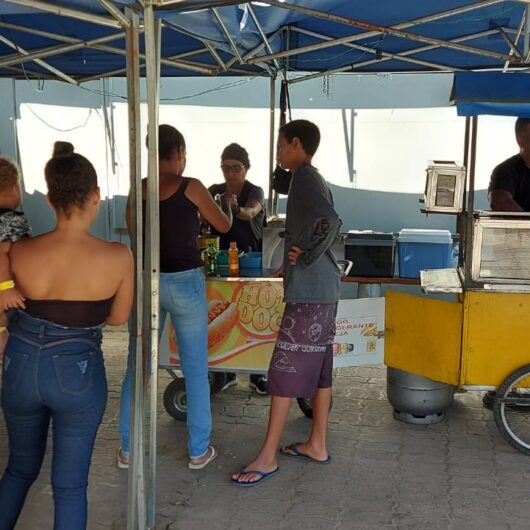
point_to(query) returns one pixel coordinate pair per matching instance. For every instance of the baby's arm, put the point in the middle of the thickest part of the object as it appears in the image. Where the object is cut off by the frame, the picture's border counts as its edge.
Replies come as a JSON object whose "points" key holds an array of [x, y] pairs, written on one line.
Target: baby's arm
{"points": [[9, 295]]}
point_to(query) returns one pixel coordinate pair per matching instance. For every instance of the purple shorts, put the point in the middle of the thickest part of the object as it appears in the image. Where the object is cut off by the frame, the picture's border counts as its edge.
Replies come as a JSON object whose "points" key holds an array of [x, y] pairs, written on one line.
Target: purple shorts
{"points": [[302, 361]]}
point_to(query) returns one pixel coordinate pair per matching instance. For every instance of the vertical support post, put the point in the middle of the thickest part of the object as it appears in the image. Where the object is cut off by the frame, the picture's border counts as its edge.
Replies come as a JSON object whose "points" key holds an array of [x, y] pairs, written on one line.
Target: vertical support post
{"points": [[136, 484], [526, 39], [272, 104], [470, 204], [152, 54], [461, 220]]}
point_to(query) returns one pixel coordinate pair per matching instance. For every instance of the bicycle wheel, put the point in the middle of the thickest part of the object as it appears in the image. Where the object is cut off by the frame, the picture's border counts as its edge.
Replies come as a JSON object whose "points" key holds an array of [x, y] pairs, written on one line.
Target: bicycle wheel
{"points": [[511, 409]]}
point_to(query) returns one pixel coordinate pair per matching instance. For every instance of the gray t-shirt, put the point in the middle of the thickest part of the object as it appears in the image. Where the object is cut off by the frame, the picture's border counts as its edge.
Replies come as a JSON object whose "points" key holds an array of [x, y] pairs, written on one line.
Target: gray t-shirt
{"points": [[312, 224]]}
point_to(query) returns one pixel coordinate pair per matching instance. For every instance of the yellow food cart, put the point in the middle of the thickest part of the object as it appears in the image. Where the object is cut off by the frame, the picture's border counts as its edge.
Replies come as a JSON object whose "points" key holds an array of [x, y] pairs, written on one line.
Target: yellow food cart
{"points": [[480, 340]]}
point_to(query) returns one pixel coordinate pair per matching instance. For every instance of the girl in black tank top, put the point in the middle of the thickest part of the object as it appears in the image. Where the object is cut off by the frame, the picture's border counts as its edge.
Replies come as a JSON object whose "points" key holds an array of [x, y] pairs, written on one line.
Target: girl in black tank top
{"points": [[179, 231]]}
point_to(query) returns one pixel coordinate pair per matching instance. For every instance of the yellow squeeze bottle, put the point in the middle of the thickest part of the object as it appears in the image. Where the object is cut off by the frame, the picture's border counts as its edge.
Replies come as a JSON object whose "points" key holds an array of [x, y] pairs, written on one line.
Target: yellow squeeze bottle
{"points": [[233, 260]]}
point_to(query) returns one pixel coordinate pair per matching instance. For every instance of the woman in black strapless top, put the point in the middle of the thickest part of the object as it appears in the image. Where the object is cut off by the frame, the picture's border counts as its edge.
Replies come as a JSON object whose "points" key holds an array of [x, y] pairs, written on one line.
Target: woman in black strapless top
{"points": [[53, 371]]}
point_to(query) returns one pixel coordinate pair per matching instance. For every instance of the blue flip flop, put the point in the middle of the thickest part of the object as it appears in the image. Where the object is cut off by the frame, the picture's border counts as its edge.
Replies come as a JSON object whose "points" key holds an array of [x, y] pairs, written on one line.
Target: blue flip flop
{"points": [[263, 476], [296, 453]]}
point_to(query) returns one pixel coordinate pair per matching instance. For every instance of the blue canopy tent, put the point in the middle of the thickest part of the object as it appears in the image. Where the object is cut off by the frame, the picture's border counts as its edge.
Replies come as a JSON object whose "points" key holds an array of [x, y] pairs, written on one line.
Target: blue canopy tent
{"points": [[494, 93], [84, 38], [80, 40]]}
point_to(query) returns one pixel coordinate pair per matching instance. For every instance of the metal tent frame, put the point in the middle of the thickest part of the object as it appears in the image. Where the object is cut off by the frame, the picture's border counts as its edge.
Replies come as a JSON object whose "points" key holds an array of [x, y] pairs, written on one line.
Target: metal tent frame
{"points": [[302, 39]]}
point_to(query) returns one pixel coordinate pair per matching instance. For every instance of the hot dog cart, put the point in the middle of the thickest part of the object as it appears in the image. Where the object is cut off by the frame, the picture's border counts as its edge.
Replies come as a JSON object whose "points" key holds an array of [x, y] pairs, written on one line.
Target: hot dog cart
{"points": [[244, 319], [479, 341]]}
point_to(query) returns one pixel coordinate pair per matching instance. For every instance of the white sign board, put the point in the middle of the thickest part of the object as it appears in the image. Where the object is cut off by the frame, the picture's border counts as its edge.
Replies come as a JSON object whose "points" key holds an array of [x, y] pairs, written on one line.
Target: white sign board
{"points": [[360, 337]]}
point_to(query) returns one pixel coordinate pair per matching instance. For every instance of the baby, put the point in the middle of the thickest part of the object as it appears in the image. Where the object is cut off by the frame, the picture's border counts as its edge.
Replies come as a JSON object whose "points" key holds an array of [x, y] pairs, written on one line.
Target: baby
{"points": [[13, 226]]}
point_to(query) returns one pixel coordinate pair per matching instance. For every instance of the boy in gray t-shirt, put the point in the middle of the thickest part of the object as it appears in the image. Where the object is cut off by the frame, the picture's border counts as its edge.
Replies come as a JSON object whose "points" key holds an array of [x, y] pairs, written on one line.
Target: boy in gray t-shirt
{"points": [[302, 361]]}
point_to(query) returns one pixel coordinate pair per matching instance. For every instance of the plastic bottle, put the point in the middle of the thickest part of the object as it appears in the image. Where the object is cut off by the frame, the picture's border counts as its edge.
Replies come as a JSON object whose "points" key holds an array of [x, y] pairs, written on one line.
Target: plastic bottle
{"points": [[210, 260], [233, 260]]}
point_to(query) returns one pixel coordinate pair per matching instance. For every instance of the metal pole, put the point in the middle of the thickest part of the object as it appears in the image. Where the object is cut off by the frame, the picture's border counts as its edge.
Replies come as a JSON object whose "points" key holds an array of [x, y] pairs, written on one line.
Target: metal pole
{"points": [[272, 132], [115, 12], [461, 220], [49, 67], [55, 50], [385, 57], [136, 484], [513, 44], [376, 29], [227, 35], [470, 205], [152, 52], [68, 12], [526, 46]]}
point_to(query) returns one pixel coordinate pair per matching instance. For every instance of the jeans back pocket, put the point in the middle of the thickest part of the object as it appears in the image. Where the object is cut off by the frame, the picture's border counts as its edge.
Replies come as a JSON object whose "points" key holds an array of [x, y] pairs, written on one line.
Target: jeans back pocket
{"points": [[74, 373], [14, 364]]}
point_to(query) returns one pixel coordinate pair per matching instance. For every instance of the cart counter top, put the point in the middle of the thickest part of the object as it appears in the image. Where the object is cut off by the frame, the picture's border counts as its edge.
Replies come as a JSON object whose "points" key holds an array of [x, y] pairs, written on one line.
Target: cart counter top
{"points": [[346, 279]]}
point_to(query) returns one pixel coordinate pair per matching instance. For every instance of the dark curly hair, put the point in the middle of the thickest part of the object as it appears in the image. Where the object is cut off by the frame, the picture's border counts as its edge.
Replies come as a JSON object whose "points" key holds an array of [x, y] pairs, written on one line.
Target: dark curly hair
{"points": [[9, 174], [70, 178]]}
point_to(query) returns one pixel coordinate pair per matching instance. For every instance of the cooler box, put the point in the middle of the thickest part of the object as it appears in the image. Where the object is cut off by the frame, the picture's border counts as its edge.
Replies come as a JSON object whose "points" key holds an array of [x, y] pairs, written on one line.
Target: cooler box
{"points": [[250, 265], [423, 249], [372, 253], [222, 263]]}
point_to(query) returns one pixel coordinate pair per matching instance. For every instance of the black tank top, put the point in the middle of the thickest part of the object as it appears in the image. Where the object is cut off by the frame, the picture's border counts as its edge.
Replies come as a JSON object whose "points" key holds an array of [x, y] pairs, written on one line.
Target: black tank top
{"points": [[179, 232], [72, 313]]}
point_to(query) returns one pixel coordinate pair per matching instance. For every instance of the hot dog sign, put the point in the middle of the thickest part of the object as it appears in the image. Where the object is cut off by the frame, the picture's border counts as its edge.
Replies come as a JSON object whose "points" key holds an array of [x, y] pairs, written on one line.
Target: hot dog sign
{"points": [[244, 318], [243, 321]]}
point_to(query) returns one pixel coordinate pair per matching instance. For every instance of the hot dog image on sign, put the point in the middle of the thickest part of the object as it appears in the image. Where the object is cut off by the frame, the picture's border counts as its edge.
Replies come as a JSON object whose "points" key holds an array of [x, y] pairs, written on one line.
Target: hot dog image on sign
{"points": [[243, 321]]}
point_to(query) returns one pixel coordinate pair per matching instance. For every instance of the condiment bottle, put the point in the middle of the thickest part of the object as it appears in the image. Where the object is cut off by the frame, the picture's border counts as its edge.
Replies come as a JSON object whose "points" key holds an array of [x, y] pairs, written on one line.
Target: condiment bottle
{"points": [[210, 260], [233, 260]]}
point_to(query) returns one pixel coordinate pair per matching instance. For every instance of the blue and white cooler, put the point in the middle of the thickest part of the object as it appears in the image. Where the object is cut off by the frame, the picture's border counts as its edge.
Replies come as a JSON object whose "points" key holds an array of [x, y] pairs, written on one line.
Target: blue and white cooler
{"points": [[421, 249]]}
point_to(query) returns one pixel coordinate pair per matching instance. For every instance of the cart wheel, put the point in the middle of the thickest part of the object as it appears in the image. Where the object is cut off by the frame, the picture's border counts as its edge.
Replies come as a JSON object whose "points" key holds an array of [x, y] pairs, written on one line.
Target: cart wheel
{"points": [[512, 409], [217, 381], [175, 399], [306, 406]]}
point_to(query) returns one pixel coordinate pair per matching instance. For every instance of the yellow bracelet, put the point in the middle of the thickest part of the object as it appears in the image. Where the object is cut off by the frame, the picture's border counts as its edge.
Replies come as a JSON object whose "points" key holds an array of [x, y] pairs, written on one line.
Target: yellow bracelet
{"points": [[8, 284], [2, 329]]}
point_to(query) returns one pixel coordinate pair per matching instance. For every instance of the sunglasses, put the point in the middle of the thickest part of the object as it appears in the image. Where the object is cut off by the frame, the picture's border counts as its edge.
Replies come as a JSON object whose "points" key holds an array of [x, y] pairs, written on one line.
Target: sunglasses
{"points": [[232, 169]]}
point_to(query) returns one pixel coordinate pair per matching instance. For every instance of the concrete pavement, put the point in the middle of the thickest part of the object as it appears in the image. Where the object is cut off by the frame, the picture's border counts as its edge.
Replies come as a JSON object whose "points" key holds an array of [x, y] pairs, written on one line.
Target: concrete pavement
{"points": [[458, 474]]}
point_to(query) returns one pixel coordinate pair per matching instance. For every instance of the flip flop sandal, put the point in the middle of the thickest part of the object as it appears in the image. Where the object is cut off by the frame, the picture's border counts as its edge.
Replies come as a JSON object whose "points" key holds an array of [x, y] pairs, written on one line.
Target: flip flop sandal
{"points": [[296, 453], [263, 476], [213, 455]]}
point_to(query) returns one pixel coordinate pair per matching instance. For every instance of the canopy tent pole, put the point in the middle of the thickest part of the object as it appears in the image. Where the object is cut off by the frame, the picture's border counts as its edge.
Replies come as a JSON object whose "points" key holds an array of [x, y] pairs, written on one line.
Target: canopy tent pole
{"points": [[41, 63], [152, 53], [385, 56], [227, 35], [272, 102], [514, 50], [526, 43], [68, 12], [470, 205], [377, 29], [116, 13], [461, 221], [136, 517]]}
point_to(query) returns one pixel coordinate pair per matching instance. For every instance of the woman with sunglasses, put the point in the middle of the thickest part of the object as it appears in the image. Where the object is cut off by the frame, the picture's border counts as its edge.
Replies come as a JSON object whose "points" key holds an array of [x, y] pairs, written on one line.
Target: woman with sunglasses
{"points": [[248, 211], [248, 203]]}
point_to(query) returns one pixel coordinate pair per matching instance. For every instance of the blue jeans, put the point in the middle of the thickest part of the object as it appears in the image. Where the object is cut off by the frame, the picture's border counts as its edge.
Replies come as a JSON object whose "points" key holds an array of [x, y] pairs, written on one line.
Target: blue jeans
{"points": [[51, 372], [183, 296]]}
